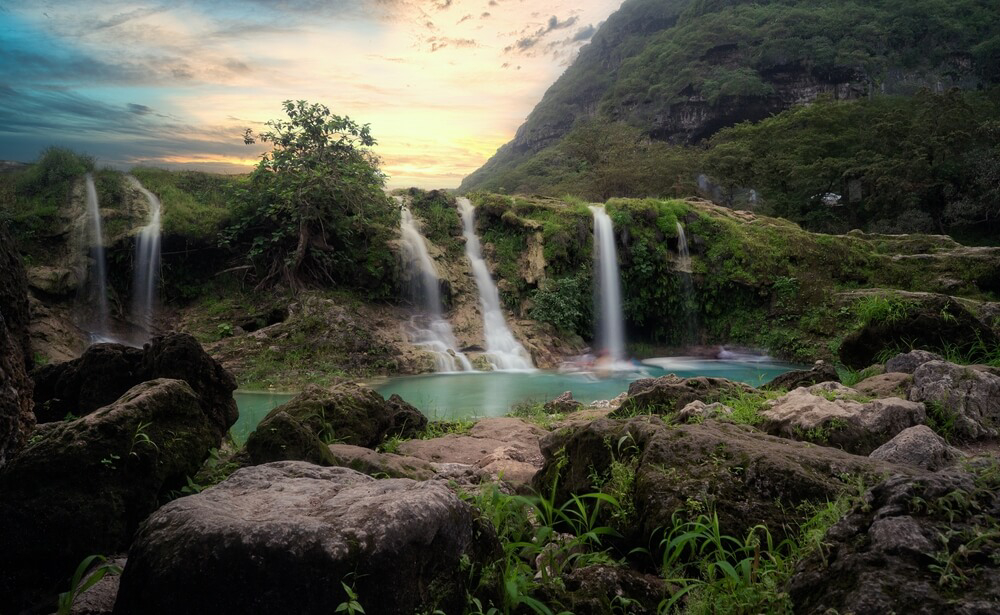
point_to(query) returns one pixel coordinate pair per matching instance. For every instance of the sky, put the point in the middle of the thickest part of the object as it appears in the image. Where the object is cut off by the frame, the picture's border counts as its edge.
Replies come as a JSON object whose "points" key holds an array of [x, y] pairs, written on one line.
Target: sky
{"points": [[443, 83]]}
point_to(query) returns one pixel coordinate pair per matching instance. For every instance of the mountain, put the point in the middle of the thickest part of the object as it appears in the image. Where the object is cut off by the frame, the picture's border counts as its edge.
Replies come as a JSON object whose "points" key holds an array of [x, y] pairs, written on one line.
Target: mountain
{"points": [[678, 71]]}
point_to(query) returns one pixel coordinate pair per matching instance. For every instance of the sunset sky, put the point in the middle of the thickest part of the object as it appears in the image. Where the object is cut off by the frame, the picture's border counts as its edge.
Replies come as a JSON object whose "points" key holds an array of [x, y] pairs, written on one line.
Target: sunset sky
{"points": [[443, 83]]}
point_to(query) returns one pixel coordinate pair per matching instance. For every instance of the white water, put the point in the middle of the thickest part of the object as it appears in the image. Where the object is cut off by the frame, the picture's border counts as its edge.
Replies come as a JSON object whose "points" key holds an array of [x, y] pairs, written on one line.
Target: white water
{"points": [[98, 276], [687, 286], [684, 262], [611, 333], [429, 330], [503, 350], [146, 272]]}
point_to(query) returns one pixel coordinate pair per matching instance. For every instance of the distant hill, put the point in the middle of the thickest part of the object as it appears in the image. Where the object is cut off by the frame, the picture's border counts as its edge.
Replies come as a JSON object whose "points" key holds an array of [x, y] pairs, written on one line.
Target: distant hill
{"points": [[678, 71]]}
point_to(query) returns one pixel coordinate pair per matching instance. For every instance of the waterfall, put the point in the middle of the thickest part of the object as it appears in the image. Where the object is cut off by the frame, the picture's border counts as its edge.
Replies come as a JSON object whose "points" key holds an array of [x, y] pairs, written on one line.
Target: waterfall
{"points": [[687, 286], [503, 350], [98, 276], [611, 336], [430, 330], [146, 268]]}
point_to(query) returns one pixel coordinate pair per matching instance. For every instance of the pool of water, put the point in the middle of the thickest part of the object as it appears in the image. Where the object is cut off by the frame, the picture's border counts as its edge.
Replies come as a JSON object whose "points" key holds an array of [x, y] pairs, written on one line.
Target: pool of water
{"points": [[478, 394]]}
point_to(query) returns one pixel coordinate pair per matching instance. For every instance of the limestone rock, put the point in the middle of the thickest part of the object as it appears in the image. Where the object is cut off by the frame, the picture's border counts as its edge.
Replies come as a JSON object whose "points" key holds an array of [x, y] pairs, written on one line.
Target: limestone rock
{"points": [[918, 446], [16, 417], [669, 394], [85, 485], [282, 537], [854, 426], [908, 362], [889, 384], [381, 465], [564, 404], [971, 396], [698, 411], [821, 372], [54, 281]]}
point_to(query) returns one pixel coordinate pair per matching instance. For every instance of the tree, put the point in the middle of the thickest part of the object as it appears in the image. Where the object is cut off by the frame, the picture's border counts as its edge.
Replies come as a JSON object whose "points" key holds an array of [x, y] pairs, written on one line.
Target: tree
{"points": [[314, 210]]}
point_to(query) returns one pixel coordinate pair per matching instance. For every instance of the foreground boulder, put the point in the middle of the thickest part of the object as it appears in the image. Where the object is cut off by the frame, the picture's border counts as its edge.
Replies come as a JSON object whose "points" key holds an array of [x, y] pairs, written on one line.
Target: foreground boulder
{"points": [[283, 537], [826, 414], [747, 477], [84, 486], [921, 545], [669, 394], [347, 413], [920, 447], [105, 371], [967, 398], [16, 417]]}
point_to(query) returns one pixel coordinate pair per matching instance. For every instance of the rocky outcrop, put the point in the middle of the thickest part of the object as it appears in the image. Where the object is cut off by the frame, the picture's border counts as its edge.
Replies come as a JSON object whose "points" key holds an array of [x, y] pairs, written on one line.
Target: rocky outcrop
{"points": [[919, 447], [745, 476], [908, 362], [669, 394], [889, 384], [921, 545], [283, 537], [826, 414], [821, 372], [105, 371], [16, 417], [83, 486], [563, 404], [967, 397]]}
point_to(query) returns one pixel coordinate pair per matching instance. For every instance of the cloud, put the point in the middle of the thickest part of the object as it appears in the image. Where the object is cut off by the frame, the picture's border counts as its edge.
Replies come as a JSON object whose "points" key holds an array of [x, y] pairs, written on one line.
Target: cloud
{"points": [[526, 43], [440, 42], [138, 109], [584, 34]]}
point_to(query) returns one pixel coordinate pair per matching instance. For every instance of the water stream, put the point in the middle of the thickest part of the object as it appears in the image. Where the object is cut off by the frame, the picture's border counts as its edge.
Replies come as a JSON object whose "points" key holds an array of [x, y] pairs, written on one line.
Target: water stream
{"points": [[503, 351], [429, 330], [97, 276], [690, 316], [611, 322], [146, 272]]}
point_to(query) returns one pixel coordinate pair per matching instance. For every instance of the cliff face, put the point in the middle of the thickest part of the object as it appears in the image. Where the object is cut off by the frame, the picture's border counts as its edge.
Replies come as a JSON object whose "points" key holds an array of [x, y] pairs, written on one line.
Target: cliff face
{"points": [[16, 416], [680, 70]]}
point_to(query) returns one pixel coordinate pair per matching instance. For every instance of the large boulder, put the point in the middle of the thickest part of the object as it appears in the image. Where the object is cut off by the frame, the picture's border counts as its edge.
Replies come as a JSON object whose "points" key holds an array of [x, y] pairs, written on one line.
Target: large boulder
{"points": [[967, 398], [347, 413], [83, 486], [889, 384], [105, 371], [928, 321], [915, 544], [831, 415], [745, 476], [918, 446], [16, 417], [821, 372], [283, 537], [669, 394], [908, 362]]}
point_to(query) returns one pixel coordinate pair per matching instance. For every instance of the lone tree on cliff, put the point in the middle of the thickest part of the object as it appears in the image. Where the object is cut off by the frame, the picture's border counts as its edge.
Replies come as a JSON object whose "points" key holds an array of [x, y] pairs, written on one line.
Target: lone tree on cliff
{"points": [[314, 211]]}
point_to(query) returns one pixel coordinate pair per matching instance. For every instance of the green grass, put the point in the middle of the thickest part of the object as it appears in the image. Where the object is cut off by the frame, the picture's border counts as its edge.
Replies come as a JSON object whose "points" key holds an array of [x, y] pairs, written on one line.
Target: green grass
{"points": [[881, 310], [195, 204]]}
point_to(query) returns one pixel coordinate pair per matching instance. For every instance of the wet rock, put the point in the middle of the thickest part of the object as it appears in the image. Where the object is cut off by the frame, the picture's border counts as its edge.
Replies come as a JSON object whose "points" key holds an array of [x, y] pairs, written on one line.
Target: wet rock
{"points": [[970, 397], [16, 417], [282, 537], [669, 394], [106, 371], [564, 404], [909, 547], [908, 362], [918, 446], [834, 419], [380, 465], [821, 372], [889, 384], [83, 486]]}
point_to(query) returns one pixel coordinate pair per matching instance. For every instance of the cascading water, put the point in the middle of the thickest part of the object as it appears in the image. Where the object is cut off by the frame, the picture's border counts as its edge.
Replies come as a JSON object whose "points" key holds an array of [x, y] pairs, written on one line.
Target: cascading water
{"points": [[430, 330], [503, 351], [146, 271], [611, 332], [687, 286], [98, 277]]}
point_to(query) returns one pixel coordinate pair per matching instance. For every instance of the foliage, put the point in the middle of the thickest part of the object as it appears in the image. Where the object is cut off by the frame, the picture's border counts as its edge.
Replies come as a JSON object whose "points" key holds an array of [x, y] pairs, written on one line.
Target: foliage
{"points": [[442, 224], [881, 310], [195, 204], [566, 303], [313, 211], [92, 569]]}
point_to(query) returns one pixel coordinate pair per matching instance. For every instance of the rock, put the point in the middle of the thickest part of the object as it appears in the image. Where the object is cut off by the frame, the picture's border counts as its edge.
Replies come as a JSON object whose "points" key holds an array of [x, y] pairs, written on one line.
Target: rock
{"points": [[908, 362], [851, 425], [928, 321], [282, 537], [911, 546], [598, 590], [918, 446], [16, 416], [821, 372], [564, 404], [969, 397], [346, 413], [747, 477], [698, 411], [889, 384], [669, 394], [53, 281], [100, 599], [380, 465], [85, 485], [105, 371]]}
